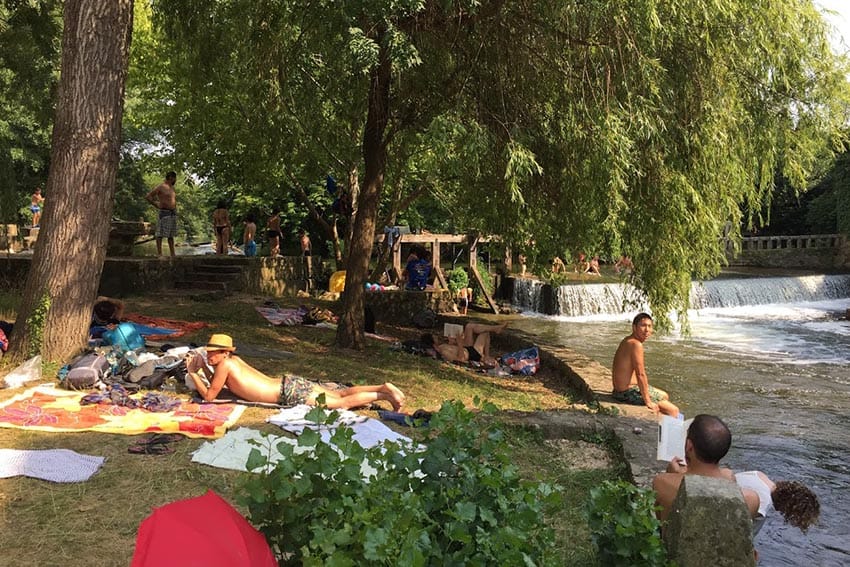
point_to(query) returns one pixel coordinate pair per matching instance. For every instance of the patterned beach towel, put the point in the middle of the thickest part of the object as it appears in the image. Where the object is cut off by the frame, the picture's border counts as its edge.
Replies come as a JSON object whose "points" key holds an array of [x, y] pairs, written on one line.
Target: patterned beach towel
{"points": [[177, 328], [52, 409]]}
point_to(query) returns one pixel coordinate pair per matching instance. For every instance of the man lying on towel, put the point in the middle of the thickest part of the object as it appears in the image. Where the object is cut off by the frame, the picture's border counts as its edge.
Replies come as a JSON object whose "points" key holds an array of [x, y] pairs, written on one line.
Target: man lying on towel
{"points": [[473, 345], [252, 385]]}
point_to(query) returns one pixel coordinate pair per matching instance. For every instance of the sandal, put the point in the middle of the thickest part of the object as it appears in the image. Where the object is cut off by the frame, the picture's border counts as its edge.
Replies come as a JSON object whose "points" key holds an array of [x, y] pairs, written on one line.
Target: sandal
{"points": [[150, 449]]}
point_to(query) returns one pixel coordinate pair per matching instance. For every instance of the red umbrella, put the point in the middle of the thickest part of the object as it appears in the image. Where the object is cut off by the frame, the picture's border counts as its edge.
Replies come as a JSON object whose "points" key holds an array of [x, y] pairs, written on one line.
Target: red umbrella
{"points": [[204, 531]]}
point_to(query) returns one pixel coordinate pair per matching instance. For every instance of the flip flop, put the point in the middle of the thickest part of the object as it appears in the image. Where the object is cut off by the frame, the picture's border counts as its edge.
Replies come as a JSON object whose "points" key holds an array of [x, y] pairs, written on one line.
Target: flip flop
{"points": [[148, 449]]}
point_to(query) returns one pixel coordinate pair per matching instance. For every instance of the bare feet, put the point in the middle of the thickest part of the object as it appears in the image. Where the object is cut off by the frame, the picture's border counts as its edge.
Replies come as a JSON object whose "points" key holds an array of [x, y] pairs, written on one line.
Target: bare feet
{"points": [[396, 396]]}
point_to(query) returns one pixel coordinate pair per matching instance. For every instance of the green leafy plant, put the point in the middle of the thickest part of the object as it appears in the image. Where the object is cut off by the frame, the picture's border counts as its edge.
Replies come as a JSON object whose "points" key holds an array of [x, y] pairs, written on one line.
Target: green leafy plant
{"points": [[35, 325], [458, 279], [456, 501], [623, 526]]}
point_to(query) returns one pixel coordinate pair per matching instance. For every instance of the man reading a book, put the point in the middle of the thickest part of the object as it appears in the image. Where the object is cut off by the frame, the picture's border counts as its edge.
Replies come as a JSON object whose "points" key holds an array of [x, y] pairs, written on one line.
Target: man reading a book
{"points": [[707, 442], [630, 382]]}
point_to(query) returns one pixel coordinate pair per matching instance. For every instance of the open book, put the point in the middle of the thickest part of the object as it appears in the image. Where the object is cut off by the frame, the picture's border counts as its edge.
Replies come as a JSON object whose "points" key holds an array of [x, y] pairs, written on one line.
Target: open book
{"points": [[671, 438], [452, 330]]}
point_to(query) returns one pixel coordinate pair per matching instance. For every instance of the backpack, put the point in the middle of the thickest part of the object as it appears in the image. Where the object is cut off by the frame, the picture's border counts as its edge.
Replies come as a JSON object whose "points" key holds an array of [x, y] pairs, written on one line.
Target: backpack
{"points": [[125, 336], [86, 371]]}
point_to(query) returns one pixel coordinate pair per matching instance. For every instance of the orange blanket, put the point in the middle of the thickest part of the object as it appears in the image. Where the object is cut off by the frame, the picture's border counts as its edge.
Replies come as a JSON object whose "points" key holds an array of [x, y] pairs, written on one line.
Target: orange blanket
{"points": [[51, 409], [182, 327]]}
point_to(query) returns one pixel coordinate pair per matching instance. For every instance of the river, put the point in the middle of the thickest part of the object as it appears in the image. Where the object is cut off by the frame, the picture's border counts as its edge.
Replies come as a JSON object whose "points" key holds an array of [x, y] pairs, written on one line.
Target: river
{"points": [[771, 356]]}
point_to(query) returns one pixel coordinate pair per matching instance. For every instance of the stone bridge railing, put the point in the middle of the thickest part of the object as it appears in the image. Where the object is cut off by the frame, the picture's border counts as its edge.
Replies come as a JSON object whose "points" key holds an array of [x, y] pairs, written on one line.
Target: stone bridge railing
{"points": [[807, 251], [783, 242]]}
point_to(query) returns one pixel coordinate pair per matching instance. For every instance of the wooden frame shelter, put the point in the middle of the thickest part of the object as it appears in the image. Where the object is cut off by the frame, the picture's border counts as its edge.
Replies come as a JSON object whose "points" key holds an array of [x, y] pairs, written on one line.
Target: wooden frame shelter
{"points": [[435, 240]]}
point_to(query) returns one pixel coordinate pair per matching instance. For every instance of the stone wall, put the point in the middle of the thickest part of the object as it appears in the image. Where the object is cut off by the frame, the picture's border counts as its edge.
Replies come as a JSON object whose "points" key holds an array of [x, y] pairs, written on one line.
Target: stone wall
{"points": [[126, 276], [399, 306]]}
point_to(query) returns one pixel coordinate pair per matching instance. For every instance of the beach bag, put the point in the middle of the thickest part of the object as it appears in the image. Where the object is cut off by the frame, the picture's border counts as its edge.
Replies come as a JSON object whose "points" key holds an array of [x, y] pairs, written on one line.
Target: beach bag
{"points": [[525, 362], [87, 371], [125, 336]]}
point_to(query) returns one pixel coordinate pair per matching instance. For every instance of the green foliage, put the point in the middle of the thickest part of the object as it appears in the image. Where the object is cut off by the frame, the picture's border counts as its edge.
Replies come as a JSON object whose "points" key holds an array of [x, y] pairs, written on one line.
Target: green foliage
{"points": [[458, 279], [623, 525], [35, 325], [459, 501], [487, 280], [30, 36]]}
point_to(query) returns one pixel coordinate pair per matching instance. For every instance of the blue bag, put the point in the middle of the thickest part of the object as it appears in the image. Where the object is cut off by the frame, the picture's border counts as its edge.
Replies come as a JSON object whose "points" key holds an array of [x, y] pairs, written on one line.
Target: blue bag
{"points": [[525, 362], [125, 336]]}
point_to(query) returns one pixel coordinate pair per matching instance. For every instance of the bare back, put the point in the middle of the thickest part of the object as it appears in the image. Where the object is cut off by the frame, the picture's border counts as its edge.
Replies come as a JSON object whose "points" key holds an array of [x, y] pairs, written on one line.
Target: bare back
{"points": [[250, 231], [245, 381], [221, 218], [627, 359]]}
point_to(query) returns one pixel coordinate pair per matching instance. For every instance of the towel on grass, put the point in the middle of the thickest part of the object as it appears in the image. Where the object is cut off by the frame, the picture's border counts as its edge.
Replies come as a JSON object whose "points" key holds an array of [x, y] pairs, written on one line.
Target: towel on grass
{"points": [[46, 408], [232, 450], [173, 327], [367, 432], [55, 465]]}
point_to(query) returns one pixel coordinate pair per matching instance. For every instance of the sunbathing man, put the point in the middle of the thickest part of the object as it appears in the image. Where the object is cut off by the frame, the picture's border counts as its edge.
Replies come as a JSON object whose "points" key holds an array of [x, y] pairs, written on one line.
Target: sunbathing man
{"points": [[471, 346], [252, 385]]}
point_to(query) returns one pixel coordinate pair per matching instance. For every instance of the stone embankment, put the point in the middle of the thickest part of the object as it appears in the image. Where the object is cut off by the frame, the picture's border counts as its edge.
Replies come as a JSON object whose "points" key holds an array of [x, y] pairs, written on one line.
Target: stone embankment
{"points": [[635, 426]]}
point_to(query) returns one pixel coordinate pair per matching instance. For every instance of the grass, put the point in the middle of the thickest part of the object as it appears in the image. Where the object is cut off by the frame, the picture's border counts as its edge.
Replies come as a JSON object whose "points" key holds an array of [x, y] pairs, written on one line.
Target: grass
{"points": [[95, 522]]}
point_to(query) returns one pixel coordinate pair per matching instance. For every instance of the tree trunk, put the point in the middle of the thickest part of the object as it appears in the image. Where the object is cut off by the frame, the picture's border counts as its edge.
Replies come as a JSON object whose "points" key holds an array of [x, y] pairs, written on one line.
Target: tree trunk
{"points": [[350, 331], [55, 310]]}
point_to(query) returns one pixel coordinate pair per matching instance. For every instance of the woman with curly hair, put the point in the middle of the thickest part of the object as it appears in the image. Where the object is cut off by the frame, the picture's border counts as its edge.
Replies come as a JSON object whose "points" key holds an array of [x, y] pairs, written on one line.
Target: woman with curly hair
{"points": [[794, 500]]}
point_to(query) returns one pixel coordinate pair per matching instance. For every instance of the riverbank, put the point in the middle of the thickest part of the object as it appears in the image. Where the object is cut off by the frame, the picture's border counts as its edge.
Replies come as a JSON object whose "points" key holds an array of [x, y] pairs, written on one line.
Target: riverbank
{"points": [[44, 523]]}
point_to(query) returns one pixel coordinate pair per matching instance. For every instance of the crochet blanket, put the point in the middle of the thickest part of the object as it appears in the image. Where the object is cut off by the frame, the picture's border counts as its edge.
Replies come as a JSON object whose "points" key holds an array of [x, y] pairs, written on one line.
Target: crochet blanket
{"points": [[51, 409]]}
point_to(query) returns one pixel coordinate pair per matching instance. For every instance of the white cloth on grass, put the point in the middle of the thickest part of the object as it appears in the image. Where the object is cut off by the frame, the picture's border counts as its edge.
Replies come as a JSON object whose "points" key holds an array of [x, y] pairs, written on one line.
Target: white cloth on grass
{"points": [[55, 465], [367, 432], [232, 451]]}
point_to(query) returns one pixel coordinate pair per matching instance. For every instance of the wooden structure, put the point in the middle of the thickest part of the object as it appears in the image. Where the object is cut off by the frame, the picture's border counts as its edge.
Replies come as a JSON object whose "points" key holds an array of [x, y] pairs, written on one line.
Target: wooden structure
{"points": [[434, 241]]}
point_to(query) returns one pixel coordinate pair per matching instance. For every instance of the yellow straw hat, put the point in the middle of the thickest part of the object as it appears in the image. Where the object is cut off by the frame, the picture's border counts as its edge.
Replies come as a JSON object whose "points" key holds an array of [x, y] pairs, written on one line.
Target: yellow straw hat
{"points": [[220, 342]]}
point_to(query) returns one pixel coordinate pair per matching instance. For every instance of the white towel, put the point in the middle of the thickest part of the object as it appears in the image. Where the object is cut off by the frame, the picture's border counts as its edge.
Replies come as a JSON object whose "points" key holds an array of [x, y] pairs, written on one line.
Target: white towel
{"points": [[55, 465], [232, 450], [367, 432]]}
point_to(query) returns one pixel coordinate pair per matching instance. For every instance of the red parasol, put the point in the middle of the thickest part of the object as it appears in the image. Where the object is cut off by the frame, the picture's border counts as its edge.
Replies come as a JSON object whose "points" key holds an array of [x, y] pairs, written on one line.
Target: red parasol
{"points": [[204, 531]]}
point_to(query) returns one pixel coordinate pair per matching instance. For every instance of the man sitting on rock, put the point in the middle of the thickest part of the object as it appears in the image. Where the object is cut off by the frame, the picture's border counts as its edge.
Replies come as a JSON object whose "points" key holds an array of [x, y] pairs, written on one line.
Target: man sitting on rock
{"points": [[707, 442]]}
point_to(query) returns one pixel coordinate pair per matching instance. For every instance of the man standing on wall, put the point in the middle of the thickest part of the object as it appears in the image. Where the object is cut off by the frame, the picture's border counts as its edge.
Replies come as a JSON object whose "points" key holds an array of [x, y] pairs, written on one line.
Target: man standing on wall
{"points": [[164, 199]]}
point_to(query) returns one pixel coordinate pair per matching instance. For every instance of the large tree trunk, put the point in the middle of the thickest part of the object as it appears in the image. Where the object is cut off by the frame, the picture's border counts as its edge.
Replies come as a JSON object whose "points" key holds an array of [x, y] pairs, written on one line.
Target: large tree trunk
{"points": [[350, 331], [55, 311]]}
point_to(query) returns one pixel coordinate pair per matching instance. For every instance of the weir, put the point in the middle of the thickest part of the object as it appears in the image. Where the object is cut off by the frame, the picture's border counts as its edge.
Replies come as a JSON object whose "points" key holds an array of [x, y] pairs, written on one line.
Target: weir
{"points": [[613, 299]]}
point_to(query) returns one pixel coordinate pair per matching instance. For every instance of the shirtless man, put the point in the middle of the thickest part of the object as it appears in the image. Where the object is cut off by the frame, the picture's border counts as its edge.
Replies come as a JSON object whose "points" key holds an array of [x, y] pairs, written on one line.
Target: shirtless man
{"points": [[707, 442], [35, 207], [252, 385], [471, 346], [631, 384], [306, 245], [250, 245], [164, 198]]}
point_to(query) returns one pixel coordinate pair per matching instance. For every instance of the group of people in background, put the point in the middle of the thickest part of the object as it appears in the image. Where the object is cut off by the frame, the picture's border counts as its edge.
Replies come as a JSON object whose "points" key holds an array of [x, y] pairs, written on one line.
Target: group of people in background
{"points": [[164, 198]]}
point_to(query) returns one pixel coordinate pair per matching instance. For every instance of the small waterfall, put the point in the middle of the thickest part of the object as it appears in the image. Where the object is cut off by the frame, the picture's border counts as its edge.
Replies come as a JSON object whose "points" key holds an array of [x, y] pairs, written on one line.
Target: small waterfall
{"points": [[612, 299], [527, 294]]}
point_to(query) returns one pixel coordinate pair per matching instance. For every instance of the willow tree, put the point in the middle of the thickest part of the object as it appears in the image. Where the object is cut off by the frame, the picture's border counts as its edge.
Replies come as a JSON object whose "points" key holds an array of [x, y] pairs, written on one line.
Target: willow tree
{"points": [[55, 310], [602, 125]]}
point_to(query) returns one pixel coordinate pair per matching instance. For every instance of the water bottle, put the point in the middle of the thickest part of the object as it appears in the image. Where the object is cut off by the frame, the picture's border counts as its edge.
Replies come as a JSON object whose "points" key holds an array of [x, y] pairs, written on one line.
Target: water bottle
{"points": [[132, 357]]}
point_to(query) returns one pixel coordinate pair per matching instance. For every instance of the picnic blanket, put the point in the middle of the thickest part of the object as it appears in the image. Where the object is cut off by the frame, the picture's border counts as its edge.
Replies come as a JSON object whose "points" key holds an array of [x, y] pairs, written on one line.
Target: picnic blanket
{"points": [[55, 465], [177, 328], [51, 409]]}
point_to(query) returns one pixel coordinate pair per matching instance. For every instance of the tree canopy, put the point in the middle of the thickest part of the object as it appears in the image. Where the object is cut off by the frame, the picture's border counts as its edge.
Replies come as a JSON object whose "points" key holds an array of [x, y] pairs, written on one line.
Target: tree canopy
{"points": [[584, 126]]}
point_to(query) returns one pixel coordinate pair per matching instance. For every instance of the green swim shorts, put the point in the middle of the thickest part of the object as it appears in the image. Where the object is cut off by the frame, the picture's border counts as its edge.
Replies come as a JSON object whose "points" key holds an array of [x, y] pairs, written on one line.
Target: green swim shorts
{"points": [[295, 390], [632, 396]]}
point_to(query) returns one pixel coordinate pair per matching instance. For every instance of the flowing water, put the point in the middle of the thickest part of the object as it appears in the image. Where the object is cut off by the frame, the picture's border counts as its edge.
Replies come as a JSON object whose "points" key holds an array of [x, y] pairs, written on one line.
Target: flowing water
{"points": [[771, 356]]}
